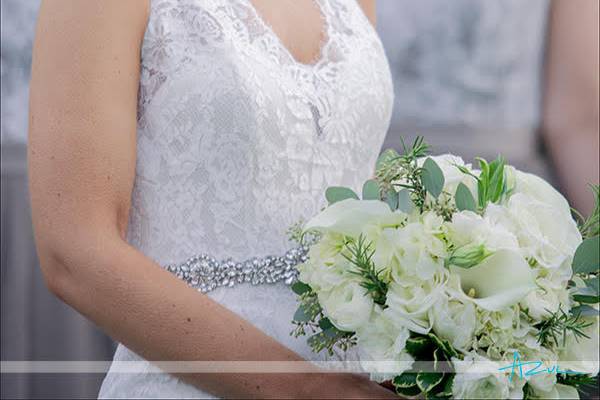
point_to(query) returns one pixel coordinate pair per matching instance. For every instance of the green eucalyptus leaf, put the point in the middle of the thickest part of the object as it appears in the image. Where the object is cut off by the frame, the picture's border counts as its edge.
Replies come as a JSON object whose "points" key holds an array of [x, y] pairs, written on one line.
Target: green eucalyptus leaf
{"points": [[593, 283], [586, 295], [587, 256], [432, 177], [300, 288], [464, 198], [405, 203], [370, 190], [585, 311], [301, 315], [392, 199], [334, 194], [426, 381]]}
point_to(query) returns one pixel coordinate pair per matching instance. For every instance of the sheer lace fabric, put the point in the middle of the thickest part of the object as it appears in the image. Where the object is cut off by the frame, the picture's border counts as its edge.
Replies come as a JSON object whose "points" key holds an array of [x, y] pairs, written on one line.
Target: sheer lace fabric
{"points": [[237, 141]]}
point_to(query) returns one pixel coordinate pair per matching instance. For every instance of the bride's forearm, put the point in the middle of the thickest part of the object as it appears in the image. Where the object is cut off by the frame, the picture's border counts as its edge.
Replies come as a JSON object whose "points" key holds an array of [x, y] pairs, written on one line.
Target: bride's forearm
{"points": [[161, 318]]}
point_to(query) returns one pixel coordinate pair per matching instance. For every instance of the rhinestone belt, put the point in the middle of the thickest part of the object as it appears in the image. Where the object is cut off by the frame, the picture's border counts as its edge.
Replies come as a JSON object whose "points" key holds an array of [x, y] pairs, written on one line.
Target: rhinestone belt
{"points": [[205, 273]]}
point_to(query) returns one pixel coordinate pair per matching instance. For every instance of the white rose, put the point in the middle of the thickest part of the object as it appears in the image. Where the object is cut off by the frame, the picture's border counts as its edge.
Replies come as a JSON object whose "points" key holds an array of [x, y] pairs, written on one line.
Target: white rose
{"points": [[348, 306], [321, 277], [558, 391], [381, 348], [478, 378], [410, 300], [581, 354], [544, 231], [540, 190], [468, 227], [542, 302], [454, 321]]}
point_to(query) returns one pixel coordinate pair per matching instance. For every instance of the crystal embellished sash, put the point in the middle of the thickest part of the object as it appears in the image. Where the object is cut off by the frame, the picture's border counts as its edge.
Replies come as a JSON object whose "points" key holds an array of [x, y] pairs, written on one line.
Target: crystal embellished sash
{"points": [[205, 273]]}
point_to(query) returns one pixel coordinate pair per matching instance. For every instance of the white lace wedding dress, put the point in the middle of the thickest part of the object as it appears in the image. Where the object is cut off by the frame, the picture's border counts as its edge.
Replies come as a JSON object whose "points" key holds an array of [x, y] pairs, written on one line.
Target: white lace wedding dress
{"points": [[237, 141]]}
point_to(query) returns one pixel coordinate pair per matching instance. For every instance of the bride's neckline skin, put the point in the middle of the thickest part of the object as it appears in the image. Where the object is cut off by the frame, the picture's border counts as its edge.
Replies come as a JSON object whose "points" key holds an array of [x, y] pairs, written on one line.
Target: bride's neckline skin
{"points": [[300, 27]]}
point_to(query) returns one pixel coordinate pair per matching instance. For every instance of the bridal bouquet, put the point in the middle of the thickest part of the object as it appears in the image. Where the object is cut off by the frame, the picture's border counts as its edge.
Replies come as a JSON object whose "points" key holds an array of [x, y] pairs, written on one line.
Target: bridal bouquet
{"points": [[454, 281]]}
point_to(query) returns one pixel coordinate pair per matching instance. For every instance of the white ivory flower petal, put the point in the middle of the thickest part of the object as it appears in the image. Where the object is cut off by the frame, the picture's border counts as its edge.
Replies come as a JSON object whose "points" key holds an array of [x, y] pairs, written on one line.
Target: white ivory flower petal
{"points": [[349, 216], [581, 354], [348, 306], [381, 346], [500, 281], [537, 188]]}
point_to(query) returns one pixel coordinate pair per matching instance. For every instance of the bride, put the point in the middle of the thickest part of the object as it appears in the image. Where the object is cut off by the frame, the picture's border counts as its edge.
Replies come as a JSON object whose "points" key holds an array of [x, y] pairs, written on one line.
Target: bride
{"points": [[165, 129]]}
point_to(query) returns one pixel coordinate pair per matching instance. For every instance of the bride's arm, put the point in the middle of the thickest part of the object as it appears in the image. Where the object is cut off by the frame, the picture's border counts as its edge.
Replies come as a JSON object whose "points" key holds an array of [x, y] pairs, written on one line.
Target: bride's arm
{"points": [[570, 120], [82, 144]]}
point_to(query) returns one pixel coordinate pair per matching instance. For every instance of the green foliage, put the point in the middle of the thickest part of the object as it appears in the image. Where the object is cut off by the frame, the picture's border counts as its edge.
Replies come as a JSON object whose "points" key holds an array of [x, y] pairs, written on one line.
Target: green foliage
{"points": [[554, 330], [585, 311], [334, 194], [426, 381], [310, 320], [468, 256], [393, 168], [295, 232], [590, 227], [491, 184], [391, 198], [370, 190], [436, 383], [405, 204], [587, 256], [593, 283], [586, 295], [360, 254], [464, 198], [300, 288], [432, 178]]}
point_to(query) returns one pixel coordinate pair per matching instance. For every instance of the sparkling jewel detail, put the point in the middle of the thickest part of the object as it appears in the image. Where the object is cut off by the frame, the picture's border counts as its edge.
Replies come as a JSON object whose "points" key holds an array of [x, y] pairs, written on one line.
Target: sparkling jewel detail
{"points": [[205, 273]]}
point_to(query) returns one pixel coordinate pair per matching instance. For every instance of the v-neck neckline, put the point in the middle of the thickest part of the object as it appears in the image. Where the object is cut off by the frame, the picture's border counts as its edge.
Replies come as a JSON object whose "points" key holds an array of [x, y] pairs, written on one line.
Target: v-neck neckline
{"points": [[325, 35]]}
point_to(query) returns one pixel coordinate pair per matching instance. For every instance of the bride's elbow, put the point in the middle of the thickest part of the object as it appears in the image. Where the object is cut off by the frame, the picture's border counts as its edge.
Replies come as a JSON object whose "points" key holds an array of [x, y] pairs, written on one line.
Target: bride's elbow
{"points": [[71, 264]]}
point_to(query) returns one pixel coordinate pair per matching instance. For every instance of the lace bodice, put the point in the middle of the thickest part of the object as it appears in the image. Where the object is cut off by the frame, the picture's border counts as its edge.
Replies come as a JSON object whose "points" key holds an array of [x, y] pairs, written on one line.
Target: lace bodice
{"points": [[237, 141]]}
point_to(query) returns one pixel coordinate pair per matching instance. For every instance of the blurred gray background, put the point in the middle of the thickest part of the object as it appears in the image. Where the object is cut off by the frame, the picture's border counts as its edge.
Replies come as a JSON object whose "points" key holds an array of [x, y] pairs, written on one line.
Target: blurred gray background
{"points": [[467, 76]]}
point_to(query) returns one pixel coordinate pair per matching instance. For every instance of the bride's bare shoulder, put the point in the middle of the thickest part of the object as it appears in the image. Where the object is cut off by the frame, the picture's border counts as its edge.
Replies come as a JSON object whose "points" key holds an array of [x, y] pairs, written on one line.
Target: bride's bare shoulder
{"points": [[94, 16]]}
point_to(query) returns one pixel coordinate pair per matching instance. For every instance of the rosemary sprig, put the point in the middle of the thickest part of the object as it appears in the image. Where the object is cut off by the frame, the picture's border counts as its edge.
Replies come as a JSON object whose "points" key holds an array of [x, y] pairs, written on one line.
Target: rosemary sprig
{"points": [[361, 256], [559, 325]]}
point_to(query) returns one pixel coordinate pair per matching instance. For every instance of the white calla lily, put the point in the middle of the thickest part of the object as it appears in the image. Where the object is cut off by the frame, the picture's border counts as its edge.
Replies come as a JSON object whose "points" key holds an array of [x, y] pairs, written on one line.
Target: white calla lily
{"points": [[500, 281], [350, 216]]}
